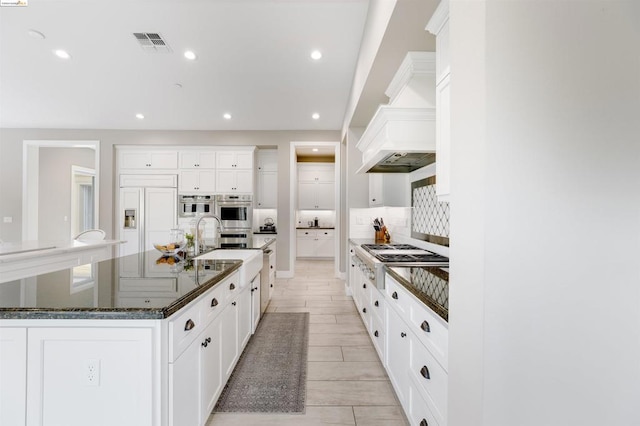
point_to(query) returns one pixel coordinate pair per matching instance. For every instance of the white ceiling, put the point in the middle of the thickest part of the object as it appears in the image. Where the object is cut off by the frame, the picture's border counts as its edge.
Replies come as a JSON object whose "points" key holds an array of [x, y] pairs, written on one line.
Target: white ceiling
{"points": [[253, 62]]}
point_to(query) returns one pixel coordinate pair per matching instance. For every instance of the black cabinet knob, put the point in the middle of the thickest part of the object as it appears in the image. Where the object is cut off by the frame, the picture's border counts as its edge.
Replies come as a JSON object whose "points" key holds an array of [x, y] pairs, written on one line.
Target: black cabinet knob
{"points": [[364, 310], [233, 303], [375, 333], [403, 334], [394, 295], [189, 325], [425, 326], [425, 372], [232, 286], [364, 285], [214, 302], [376, 304], [424, 423]]}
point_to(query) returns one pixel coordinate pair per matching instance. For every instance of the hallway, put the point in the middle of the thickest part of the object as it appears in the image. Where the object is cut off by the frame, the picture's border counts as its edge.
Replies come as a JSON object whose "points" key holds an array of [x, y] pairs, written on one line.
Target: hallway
{"points": [[346, 383]]}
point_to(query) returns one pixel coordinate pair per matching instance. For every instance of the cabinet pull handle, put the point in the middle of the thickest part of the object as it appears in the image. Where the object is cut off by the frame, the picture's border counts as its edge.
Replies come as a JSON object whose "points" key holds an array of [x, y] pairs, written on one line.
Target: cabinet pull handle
{"points": [[233, 303], [252, 290], [375, 333], [189, 325], [364, 285], [232, 286], [376, 303], [364, 310], [271, 285], [425, 326], [403, 334], [214, 302], [206, 342], [425, 372], [424, 423], [394, 295]]}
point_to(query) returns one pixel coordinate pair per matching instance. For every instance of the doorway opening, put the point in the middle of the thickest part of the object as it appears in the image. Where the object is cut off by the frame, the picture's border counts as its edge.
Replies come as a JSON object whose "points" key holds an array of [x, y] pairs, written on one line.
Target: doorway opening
{"points": [[319, 217]]}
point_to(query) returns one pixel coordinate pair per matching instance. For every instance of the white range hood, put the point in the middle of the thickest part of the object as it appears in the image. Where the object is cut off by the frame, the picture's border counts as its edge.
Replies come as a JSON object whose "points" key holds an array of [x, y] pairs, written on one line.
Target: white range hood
{"points": [[401, 136]]}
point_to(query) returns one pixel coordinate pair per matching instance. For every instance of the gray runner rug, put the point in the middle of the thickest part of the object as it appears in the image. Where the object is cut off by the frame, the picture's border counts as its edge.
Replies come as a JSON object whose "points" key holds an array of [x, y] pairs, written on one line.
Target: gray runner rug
{"points": [[271, 374]]}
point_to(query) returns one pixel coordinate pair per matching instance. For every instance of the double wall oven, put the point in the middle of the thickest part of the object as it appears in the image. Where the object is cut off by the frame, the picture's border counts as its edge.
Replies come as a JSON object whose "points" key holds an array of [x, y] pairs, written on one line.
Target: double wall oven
{"points": [[236, 215]]}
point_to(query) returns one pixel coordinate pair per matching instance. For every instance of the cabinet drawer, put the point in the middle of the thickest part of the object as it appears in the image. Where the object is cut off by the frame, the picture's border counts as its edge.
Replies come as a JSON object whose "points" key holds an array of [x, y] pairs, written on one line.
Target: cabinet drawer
{"points": [[306, 233], [214, 301], [325, 233], [183, 330], [420, 409], [168, 285], [429, 376], [431, 329], [231, 286], [396, 295]]}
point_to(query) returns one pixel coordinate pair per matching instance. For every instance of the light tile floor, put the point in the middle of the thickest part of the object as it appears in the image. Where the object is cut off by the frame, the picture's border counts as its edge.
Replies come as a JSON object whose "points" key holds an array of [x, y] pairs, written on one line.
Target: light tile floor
{"points": [[346, 383]]}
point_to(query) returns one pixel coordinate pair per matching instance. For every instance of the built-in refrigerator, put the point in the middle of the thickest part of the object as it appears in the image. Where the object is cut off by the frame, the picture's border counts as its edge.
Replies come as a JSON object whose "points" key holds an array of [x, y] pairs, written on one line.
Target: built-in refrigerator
{"points": [[147, 210]]}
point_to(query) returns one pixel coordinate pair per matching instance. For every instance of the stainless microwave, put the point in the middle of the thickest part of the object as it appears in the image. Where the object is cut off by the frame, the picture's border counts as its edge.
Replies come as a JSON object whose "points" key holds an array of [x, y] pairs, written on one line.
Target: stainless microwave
{"points": [[195, 205]]}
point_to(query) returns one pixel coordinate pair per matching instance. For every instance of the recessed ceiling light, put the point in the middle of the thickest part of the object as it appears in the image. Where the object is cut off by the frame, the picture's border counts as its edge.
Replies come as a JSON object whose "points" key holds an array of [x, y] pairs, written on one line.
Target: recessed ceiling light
{"points": [[314, 149], [315, 116], [63, 54], [140, 116], [36, 34], [316, 54], [190, 55], [227, 116]]}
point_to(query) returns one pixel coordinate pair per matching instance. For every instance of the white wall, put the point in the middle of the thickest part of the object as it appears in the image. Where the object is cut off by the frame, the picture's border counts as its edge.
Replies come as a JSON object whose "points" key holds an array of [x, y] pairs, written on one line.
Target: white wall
{"points": [[545, 214]]}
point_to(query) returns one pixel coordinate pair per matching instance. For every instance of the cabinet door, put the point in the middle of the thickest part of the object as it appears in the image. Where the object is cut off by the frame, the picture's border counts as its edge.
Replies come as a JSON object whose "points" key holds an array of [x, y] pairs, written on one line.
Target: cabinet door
{"points": [[325, 196], [184, 388], [255, 303], [325, 244], [207, 181], [164, 159], [229, 334], [244, 160], [244, 319], [13, 371], [134, 160], [268, 160], [326, 173], [306, 247], [306, 196], [188, 181], [188, 160], [210, 346], [267, 190], [225, 159], [397, 354], [375, 189], [225, 181], [244, 181], [207, 160]]}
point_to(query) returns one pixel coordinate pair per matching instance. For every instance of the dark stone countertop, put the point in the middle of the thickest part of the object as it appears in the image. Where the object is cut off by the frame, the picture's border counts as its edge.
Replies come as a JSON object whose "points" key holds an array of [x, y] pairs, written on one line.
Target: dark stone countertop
{"points": [[429, 284], [315, 227], [118, 289]]}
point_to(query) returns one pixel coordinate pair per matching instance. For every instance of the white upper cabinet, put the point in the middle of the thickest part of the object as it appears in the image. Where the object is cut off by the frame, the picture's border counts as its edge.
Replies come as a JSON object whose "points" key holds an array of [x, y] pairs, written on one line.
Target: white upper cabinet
{"points": [[267, 160], [197, 159], [234, 181], [147, 159], [316, 186], [234, 159], [439, 26], [267, 193], [197, 181], [316, 172]]}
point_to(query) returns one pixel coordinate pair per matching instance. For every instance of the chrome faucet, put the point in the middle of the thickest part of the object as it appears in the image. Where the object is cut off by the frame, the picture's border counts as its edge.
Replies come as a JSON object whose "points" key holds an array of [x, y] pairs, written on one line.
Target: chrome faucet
{"points": [[196, 238]]}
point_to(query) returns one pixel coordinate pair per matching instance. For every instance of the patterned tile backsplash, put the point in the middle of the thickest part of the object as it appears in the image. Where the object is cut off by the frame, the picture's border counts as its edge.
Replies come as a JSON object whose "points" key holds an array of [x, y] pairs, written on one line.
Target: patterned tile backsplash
{"points": [[429, 217]]}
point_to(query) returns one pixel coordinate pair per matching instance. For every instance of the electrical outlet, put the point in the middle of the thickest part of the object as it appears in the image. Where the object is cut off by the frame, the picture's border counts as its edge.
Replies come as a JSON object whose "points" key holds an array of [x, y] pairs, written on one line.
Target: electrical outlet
{"points": [[92, 372]]}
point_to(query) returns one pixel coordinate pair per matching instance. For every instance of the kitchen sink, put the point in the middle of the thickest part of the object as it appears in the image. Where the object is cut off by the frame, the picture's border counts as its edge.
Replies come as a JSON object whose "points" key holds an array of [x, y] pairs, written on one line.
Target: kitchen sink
{"points": [[251, 259]]}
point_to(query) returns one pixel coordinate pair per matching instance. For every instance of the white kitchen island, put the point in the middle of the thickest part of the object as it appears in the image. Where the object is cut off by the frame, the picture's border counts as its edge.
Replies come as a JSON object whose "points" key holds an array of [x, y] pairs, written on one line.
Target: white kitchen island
{"points": [[147, 346]]}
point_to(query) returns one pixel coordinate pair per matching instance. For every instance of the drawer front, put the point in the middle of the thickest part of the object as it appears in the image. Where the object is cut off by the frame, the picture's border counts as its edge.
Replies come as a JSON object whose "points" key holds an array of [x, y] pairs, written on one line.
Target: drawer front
{"points": [[184, 329], [377, 336], [396, 295], [432, 331], [429, 377], [419, 409], [214, 301], [231, 287], [365, 313], [168, 285], [306, 233], [325, 233]]}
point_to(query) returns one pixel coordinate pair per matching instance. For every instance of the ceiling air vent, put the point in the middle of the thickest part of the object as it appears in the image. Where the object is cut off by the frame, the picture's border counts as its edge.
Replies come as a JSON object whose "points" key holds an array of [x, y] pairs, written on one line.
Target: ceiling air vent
{"points": [[152, 42]]}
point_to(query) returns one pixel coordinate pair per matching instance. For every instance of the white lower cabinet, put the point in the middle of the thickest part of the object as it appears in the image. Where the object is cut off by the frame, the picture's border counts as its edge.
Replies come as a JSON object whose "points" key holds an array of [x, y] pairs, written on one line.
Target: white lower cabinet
{"points": [[315, 243], [13, 369], [397, 355], [134, 372]]}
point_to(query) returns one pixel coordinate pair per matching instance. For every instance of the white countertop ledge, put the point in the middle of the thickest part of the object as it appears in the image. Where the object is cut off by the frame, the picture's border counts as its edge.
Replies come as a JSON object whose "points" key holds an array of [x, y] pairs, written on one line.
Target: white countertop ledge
{"points": [[10, 252]]}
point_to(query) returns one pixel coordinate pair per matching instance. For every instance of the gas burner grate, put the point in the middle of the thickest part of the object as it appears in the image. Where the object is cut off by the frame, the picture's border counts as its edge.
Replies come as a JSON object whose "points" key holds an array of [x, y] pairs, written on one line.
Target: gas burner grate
{"points": [[370, 247]]}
